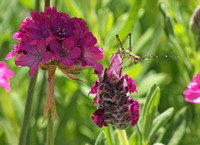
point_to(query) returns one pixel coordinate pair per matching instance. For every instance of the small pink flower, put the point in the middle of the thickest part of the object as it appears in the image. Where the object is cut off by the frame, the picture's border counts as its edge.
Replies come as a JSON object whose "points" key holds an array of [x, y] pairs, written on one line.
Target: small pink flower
{"points": [[115, 105], [130, 85], [35, 54], [99, 118], [192, 94], [52, 14], [94, 87], [5, 75], [62, 29], [92, 53], [134, 109], [66, 52]]}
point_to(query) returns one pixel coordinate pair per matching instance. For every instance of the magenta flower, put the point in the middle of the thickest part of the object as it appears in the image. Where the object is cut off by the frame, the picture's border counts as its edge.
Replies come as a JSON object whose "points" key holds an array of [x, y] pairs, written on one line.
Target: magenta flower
{"points": [[5, 75], [67, 39], [62, 29], [66, 52], [115, 105], [33, 56], [192, 94], [99, 118], [92, 53], [130, 85], [94, 87]]}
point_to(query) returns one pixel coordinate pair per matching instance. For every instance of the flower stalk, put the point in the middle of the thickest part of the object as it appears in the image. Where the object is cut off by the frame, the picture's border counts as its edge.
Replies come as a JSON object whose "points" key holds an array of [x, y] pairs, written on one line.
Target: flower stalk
{"points": [[108, 137], [27, 111], [50, 138], [50, 101], [50, 108], [122, 137], [47, 3]]}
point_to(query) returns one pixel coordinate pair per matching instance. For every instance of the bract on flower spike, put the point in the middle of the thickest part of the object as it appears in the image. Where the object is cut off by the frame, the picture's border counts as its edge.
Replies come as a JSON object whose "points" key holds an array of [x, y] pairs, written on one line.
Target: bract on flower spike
{"points": [[128, 54], [115, 105]]}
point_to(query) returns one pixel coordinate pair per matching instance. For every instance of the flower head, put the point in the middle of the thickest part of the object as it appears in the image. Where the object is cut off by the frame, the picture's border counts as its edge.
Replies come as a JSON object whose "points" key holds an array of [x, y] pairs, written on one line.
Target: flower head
{"points": [[115, 105], [5, 75], [192, 94], [53, 38]]}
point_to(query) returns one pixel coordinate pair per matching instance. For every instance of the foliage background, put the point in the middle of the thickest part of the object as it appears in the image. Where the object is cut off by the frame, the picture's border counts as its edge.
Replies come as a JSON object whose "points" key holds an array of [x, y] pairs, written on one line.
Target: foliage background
{"points": [[105, 19]]}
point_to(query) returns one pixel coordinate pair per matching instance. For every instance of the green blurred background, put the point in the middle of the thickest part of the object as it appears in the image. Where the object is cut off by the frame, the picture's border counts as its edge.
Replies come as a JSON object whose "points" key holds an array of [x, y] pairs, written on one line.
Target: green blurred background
{"points": [[106, 18]]}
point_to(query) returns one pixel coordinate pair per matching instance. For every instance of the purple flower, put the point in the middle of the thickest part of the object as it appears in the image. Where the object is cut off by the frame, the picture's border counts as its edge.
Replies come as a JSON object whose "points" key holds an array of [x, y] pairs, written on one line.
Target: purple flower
{"points": [[66, 52], [130, 85], [115, 105], [192, 94], [62, 29], [36, 28], [35, 54], [94, 87], [99, 118], [134, 110], [67, 39], [5, 75], [52, 14], [92, 53]]}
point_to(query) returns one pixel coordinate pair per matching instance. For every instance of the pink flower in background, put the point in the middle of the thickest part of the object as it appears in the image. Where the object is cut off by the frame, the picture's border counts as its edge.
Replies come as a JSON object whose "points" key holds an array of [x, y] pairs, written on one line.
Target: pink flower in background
{"points": [[115, 105], [192, 94], [5, 75], [65, 41]]}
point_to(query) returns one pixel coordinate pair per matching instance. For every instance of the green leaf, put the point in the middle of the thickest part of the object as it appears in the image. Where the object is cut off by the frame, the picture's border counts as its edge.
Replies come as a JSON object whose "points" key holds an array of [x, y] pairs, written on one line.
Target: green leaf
{"points": [[150, 108], [132, 17], [178, 134], [169, 30], [27, 4], [109, 134], [159, 78], [159, 121], [116, 138], [133, 139], [177, 128], [73, 7], [158, 144], [100, 139]]}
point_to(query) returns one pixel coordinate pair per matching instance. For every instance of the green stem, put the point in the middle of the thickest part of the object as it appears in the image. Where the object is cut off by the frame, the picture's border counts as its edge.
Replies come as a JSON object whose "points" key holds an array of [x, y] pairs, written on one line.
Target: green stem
{"points": [[27, 111], [108, 137], [50, 139], [46, 3], [40, 95], [122, 137], [37, 5], [139, 132]]}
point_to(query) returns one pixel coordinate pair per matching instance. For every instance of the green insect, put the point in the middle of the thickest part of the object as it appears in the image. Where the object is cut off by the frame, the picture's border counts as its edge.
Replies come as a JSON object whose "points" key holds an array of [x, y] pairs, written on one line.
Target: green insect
{"points": [[128, 54]]}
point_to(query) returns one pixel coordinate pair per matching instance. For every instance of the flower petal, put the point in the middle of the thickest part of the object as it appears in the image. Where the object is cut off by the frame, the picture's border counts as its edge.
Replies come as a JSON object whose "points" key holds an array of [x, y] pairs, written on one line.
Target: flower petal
{"points": [[33, 68], [74, 53], [10, 55], [24, 60]]}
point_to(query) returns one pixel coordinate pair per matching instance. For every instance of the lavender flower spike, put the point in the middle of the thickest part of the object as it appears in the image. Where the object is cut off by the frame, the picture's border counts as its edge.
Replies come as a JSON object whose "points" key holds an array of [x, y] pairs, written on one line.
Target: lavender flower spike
{"points": [[115, 105]]}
